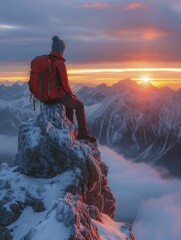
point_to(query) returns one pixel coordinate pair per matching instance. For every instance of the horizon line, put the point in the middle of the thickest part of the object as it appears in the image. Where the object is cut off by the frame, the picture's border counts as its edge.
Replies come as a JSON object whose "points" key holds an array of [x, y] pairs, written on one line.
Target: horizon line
{"points": [[117, 70]]}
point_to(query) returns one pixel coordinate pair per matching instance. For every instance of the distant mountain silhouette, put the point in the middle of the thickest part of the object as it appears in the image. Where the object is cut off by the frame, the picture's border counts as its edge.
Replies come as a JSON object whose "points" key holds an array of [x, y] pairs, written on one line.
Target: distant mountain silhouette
{"points": [[10, 83], [16, 107], [141, 122]]}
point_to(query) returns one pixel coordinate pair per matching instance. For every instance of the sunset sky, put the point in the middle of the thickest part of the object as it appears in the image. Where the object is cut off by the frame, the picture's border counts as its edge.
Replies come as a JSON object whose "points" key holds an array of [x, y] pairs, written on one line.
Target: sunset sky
{"points": [[106, 40]]}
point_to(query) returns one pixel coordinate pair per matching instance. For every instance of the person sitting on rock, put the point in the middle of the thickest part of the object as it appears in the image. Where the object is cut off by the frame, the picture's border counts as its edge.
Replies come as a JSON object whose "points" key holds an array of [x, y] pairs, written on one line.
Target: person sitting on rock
{"points": [[70, 101]]}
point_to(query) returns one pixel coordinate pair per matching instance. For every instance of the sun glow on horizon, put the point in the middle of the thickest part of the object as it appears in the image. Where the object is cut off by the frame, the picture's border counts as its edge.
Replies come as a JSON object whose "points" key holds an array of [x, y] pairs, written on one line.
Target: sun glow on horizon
{"points": [[146, 79], [159, 77], [119, 70]]}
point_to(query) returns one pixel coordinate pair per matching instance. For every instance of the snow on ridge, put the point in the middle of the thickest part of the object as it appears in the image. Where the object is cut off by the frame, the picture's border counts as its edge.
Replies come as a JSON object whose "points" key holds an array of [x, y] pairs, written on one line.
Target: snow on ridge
{"points": [[59, 182]]}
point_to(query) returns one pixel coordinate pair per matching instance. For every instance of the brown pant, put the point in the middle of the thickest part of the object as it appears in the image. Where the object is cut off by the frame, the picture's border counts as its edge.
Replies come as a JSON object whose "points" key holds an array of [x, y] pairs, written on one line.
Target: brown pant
{"points": [[71, 103]]}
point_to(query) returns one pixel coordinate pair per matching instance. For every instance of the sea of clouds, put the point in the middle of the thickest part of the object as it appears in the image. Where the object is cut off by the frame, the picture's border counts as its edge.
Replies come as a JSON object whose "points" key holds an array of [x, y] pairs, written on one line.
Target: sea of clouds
{"points": [[8, 148], [145, 198]]}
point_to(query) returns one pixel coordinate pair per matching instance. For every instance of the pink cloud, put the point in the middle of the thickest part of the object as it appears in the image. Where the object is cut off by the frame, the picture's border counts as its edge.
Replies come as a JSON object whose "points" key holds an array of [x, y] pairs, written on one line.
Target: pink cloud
{"points": [[133, 6], [148, 33], [95, 5]]}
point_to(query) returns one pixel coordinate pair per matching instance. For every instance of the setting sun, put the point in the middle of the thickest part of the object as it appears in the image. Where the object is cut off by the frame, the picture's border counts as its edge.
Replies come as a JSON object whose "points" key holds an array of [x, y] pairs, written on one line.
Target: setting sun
{"points": [[146, 79]]}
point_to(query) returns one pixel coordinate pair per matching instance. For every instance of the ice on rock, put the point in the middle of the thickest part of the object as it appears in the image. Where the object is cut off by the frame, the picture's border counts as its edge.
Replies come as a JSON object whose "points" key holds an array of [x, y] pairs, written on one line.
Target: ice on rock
{"points": [[58, 187]]}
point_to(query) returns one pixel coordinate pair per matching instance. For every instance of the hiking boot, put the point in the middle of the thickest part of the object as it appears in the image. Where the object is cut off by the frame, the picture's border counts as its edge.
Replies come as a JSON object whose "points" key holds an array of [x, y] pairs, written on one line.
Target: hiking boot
{"points": [[85, 135], [88, 138]]}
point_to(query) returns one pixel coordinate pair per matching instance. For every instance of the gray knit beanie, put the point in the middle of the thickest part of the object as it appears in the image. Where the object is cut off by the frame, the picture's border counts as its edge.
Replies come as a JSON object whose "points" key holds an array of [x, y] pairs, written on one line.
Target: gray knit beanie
{"points": [[58, 45]]}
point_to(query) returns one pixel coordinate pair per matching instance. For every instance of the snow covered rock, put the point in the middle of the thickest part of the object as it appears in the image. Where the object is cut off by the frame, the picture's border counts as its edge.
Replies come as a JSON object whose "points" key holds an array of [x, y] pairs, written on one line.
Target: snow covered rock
{"points": [[44, 143], [58, 188]]}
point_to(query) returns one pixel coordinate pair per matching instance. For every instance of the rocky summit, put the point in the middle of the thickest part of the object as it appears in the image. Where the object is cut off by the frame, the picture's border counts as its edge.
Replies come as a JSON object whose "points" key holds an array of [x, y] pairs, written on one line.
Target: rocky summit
{"points": [[58, 186]]}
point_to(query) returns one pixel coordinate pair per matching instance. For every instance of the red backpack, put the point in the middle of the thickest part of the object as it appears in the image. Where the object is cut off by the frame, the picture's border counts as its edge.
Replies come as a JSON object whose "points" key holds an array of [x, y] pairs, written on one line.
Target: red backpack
{"points": [[43, 83]]}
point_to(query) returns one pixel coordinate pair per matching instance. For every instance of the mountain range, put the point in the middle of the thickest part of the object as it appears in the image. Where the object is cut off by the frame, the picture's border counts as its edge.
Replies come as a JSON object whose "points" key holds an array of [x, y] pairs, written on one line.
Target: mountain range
{"points": [[16, 107], [141, 122]]}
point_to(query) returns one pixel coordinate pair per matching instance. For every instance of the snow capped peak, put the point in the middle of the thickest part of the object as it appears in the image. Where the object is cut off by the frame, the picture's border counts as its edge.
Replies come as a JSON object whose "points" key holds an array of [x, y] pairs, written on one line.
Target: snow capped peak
{"points": [[58, 182], [128, 83], [9, 83], [147, 85], [101, 86], [142, 123]]}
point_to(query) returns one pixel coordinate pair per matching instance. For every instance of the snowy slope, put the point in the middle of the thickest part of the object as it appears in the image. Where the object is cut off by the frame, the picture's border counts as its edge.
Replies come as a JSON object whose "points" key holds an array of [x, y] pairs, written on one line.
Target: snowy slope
{"points": [[9, 83], [58, 186], [141, 122], [15, 107], [42, 222]]}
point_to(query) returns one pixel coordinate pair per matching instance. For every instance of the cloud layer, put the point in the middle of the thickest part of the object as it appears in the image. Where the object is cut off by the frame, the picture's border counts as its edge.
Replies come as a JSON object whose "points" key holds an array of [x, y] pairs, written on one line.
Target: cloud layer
{"points": [[100, 31], [143, 196], [8, 148]]}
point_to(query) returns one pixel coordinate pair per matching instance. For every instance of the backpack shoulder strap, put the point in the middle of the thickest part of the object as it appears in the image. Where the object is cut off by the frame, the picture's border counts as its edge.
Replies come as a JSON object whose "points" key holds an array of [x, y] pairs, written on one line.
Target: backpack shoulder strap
{"points": [[52, 58]]}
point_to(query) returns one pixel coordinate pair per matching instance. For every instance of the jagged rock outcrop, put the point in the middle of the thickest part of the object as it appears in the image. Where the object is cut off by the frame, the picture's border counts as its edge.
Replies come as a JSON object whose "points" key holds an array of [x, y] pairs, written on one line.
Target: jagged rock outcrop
{"points": [[58, 186]]}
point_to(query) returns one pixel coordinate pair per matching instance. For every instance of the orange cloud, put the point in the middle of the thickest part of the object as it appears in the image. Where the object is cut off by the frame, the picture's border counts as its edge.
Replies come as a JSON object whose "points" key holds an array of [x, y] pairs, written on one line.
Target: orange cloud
{"points": [[95, 5], [153, 33], [136, 6], [143, 33]]}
